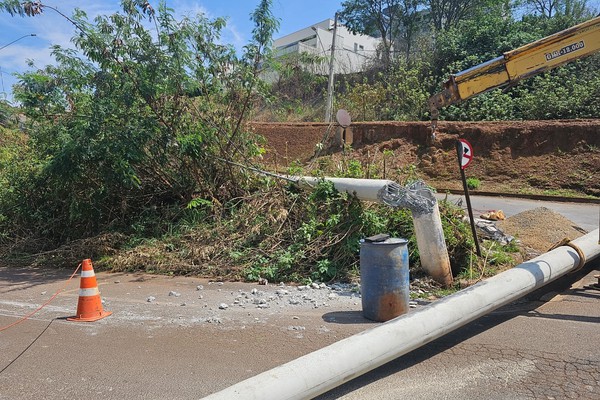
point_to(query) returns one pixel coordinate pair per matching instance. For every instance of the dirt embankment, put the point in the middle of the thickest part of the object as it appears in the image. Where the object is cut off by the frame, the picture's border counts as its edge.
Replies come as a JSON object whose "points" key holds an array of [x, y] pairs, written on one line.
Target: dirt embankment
{"points": [[527, 157]]}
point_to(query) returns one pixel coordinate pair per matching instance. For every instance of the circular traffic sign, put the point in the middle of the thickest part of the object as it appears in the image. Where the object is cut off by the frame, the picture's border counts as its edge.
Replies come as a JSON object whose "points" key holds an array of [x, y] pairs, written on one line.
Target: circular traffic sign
{"points": [[343, 118], [466, 154]]}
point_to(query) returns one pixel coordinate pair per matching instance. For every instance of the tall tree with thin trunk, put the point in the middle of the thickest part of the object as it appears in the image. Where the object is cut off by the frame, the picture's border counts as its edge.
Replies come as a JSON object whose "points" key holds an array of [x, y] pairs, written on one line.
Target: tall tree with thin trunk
{"points": [[373, 17], [446, 14]]}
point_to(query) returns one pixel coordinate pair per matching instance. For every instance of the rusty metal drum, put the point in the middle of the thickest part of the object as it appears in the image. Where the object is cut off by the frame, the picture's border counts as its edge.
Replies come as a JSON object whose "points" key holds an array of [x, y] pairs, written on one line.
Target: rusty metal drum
{"points": [[384, 278]]}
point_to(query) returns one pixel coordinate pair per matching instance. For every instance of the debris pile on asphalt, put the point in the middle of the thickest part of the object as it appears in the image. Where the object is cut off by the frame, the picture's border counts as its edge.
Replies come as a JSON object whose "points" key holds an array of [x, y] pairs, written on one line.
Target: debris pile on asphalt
{"points": [[539, 229], [232, 305], [494, 215], [487, 229]]}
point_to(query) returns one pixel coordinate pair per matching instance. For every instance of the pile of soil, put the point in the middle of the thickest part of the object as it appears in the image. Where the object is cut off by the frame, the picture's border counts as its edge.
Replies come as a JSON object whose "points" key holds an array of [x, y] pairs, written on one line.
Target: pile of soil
{"points": [[539, 229], [526, 157]]}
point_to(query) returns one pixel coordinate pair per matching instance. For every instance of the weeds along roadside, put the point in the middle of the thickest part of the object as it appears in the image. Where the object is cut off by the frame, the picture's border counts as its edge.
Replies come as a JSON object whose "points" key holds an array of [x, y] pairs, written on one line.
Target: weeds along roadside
{"points": [[274, 231], [283, 233]]}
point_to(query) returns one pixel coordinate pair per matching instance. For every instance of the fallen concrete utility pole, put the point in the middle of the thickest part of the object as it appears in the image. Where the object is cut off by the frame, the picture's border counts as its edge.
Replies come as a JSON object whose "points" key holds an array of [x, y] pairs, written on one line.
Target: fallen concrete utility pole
{"points": [[325, 369], [423, 205]]}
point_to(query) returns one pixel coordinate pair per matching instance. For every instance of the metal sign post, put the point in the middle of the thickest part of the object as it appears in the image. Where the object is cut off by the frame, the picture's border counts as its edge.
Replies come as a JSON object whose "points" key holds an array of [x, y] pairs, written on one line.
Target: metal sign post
{"points": [[343, 118], [464, 150]]}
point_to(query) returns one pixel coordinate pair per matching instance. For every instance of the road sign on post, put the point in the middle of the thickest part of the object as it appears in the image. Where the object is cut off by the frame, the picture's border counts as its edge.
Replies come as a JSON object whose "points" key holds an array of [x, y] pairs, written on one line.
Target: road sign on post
{"points": [[464, 150], [465, 153]]}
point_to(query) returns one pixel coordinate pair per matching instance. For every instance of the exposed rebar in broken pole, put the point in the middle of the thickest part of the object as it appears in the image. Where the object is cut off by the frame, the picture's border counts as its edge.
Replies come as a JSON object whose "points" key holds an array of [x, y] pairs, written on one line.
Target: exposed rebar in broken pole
{"points": [[416, 197]]}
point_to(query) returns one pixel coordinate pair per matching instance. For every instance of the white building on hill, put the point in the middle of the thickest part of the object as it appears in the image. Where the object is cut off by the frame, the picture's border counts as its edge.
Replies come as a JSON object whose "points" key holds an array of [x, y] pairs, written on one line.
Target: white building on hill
{"points": [[352, 52]]}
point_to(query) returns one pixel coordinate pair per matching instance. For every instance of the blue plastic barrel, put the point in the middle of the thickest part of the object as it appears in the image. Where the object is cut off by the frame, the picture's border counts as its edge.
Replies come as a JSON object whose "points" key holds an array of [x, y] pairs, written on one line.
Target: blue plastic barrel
{"points": [[384, 278]]}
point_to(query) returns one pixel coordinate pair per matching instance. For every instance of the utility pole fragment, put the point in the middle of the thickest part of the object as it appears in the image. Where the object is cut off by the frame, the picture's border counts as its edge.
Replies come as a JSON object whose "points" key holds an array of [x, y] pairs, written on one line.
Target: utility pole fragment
{"points": [[329, 106]]}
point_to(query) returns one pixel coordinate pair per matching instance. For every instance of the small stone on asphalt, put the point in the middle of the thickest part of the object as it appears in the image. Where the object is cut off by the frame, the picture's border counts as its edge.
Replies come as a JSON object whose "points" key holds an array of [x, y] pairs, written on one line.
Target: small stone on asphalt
{"points": [[296, 328]]}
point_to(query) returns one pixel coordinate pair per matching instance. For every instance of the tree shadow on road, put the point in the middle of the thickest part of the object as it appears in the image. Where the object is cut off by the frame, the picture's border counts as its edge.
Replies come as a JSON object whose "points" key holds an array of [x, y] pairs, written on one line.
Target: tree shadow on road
{"points": [[17, 279]]}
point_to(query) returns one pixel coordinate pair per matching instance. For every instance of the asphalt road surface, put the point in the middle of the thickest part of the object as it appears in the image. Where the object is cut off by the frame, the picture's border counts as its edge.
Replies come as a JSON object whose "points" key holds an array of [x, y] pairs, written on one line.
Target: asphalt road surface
{"points": [[586, 216], [184, 338], [184, 346], [545, 346]]}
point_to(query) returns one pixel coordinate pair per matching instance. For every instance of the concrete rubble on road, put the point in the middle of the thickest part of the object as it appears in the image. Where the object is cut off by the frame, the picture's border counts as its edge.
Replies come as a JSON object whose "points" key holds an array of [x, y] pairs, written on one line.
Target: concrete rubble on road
{"points": [[234, 305]]}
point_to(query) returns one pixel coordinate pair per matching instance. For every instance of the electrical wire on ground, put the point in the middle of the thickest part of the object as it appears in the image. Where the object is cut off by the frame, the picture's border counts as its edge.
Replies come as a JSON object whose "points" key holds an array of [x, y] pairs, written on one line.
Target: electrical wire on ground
{"points": [[43, 305], [27, 348], [26, 317]]}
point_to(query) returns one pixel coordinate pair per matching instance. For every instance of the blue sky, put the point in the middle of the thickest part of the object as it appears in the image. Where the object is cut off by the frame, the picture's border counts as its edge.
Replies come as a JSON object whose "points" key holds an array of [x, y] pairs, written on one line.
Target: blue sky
{"points": [[52, 29]]}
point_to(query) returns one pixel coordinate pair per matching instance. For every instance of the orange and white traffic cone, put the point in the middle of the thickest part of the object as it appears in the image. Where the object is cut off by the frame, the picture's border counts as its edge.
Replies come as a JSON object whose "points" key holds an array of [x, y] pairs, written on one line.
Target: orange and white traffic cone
{"points": [[89, 306]]}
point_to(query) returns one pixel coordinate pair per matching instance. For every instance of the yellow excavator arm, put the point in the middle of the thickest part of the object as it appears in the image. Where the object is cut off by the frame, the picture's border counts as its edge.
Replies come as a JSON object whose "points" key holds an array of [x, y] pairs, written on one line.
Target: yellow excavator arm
{"points": [[547, 53]]}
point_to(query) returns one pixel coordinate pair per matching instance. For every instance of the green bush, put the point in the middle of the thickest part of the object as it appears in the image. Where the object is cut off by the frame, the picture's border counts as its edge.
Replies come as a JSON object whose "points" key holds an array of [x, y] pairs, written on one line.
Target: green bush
{"points": [[320, 237], [473, 183], [134, 123]]}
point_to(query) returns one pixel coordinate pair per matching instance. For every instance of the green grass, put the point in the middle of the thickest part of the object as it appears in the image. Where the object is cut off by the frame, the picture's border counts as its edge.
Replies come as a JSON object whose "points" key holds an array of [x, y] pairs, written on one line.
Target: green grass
{"points": [[473, 183]]}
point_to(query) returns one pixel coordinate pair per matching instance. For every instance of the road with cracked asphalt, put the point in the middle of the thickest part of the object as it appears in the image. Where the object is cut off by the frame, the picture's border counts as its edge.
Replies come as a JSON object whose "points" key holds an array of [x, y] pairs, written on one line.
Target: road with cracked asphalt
{"points": [[185, 337], [181, 345], [542, 347]]}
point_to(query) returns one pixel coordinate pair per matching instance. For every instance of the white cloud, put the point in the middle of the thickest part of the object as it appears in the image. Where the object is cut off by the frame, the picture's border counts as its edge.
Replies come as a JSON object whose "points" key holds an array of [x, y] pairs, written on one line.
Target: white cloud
{"points": [[230, 33], [15, 57]]}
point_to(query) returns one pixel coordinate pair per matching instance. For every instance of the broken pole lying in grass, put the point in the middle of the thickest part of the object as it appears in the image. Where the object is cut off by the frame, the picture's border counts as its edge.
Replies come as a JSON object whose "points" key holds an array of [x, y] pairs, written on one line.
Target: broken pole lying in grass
{"points": [[416, 197]]}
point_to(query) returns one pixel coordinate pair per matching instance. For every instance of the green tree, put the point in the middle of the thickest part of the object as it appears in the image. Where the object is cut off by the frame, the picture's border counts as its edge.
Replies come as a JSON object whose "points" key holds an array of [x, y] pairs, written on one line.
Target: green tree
{"points": [[411, 25], [374, 17], [144, 120], [576, 9], [478, 39], [446, 14]]}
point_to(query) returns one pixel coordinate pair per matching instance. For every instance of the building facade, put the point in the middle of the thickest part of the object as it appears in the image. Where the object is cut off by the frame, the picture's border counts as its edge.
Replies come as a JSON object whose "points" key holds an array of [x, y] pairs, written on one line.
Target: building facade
{"points": [[352, 52]]}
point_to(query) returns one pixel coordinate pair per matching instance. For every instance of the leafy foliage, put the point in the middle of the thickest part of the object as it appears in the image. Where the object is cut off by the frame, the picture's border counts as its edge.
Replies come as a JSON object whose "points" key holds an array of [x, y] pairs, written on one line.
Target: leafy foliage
{"points": [[473, 183], [136, 129], [316, 235], [143, 121]]}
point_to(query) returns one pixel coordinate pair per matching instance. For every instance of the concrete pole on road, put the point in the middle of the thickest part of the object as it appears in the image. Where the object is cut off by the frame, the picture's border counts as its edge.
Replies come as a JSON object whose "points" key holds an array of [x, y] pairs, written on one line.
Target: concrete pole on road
{"points": [[322, 370]]}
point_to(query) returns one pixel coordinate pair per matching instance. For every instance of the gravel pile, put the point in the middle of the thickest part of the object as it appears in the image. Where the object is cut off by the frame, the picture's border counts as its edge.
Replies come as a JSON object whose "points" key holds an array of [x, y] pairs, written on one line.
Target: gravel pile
{"points": [[540, 228], [282, 296]]}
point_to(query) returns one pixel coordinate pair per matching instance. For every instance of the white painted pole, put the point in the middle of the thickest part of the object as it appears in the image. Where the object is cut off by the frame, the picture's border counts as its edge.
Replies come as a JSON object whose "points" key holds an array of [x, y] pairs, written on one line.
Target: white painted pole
{"points": [[429, 232], [329, 105], [363, 189], [431, 243], [325, 369]]}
